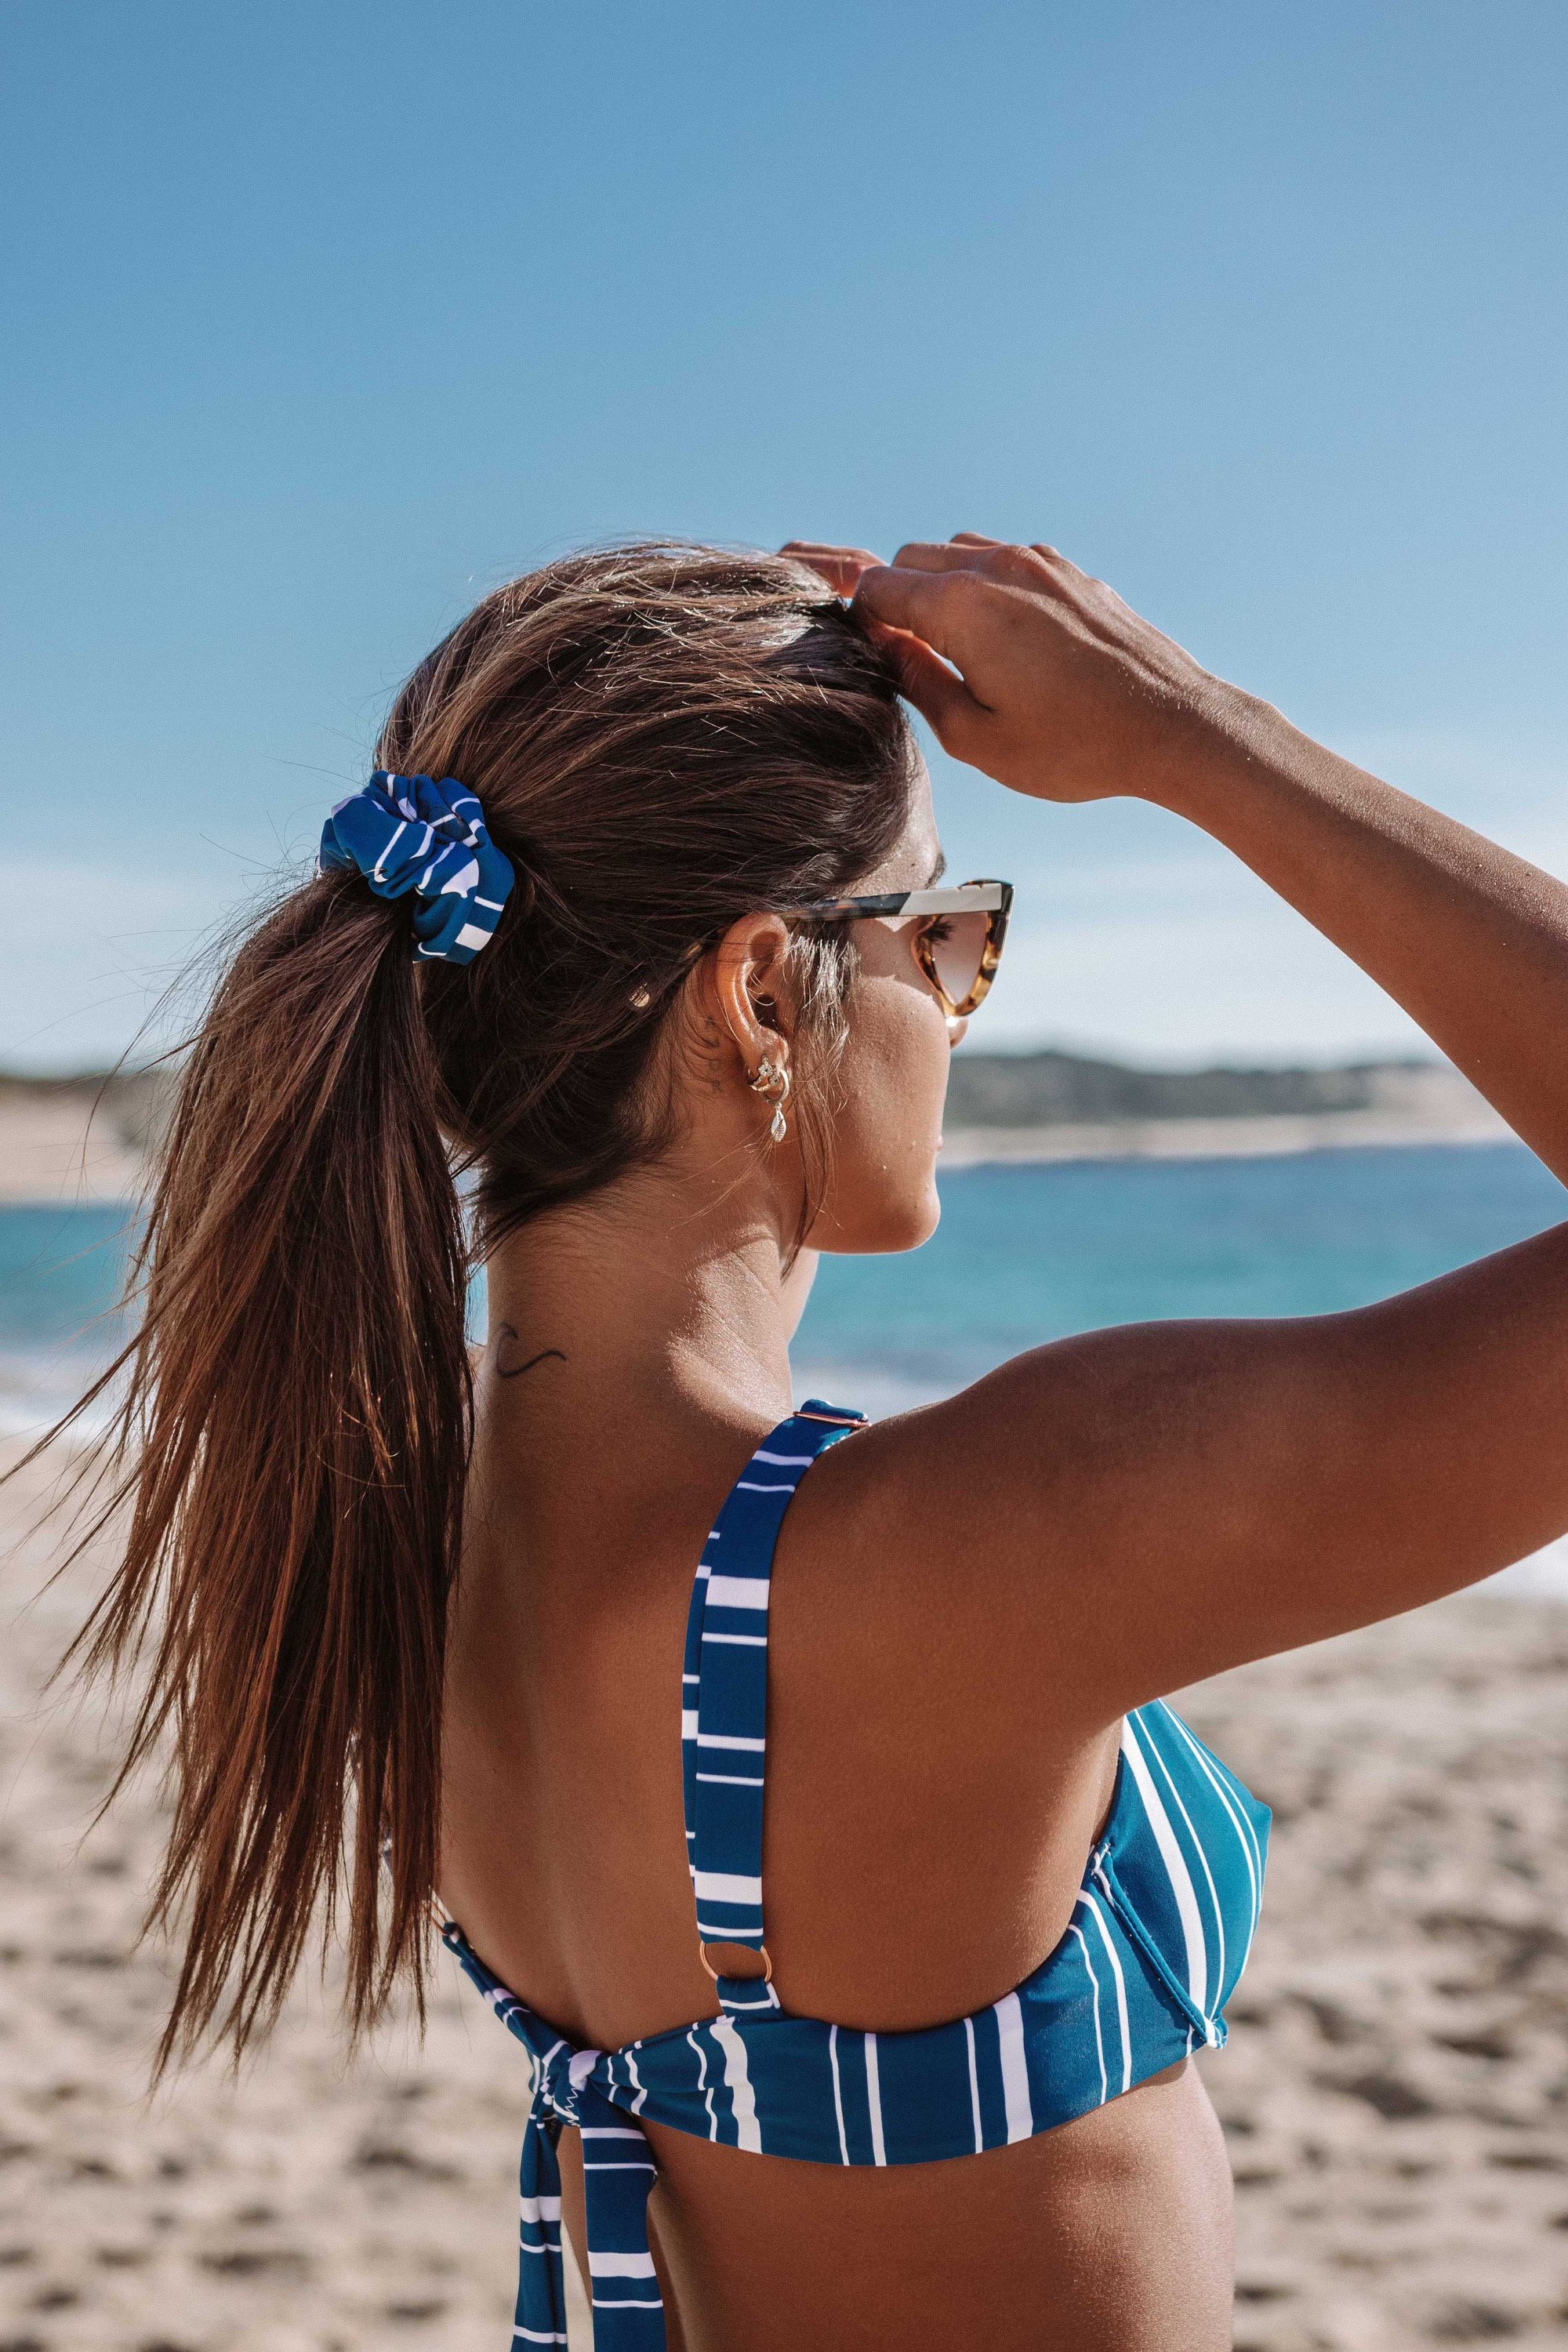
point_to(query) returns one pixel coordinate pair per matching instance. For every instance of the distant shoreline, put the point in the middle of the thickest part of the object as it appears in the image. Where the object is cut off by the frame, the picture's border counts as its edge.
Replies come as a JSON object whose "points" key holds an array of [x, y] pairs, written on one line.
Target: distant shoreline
{"points": [[1210, 1138], [56, 1162], [86, 1140]]}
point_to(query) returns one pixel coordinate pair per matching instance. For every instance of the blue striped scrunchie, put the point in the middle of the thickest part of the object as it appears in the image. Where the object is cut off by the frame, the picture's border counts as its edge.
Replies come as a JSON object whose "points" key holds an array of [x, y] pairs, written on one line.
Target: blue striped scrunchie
{"points": [[405, 832]]}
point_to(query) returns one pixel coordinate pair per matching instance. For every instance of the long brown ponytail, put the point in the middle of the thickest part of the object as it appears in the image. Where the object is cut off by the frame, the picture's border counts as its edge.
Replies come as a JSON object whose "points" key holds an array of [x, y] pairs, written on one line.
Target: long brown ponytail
{"points": [[662, 737]]}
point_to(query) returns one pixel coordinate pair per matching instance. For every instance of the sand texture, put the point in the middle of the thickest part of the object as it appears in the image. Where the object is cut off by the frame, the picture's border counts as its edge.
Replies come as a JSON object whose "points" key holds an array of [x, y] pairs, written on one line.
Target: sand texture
{"points": [[78, 1145], [1395, 2091]]}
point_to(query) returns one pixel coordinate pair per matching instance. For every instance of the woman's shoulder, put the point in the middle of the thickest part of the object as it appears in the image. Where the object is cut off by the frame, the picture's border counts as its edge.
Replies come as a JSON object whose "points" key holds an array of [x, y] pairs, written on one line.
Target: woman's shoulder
{"points": [[1087, 1518], [976, 1489], [923, 1544]]}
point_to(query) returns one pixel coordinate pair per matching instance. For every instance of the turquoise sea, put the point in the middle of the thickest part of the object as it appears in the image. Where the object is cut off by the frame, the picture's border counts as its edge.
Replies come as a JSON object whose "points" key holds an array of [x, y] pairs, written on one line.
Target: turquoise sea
{"points": [[1023, 1255], [1027, 1254]]}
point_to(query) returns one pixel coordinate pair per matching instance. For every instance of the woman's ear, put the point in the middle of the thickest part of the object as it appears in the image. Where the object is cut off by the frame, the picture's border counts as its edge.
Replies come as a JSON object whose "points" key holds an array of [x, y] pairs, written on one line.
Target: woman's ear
{"points": [[748, 989]]}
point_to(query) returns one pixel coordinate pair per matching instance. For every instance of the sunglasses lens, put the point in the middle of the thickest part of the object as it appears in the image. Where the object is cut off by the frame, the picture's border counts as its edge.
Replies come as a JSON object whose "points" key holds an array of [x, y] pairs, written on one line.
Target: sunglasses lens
{"points": [[957, 947]]}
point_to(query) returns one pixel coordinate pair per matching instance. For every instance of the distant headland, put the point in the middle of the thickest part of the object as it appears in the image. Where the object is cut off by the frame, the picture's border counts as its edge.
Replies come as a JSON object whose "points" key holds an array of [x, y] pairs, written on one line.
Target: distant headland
{"points": [[1056, 1106], [87, 1137]]}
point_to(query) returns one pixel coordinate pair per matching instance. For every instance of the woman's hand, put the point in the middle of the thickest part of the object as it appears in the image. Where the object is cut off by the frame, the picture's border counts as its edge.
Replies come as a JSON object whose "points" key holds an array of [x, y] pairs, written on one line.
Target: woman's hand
{"points": [[1056, 686], [1058, 689]]}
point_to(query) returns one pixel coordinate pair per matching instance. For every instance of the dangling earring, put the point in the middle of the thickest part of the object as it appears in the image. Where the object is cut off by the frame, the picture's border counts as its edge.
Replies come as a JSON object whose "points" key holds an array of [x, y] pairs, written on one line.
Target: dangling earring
{"points": [[772, 1081]]}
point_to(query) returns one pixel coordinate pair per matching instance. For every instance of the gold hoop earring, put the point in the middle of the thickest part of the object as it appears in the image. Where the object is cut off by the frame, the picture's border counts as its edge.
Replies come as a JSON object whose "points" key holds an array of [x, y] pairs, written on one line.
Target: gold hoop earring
{"points": [[770, 1079]]}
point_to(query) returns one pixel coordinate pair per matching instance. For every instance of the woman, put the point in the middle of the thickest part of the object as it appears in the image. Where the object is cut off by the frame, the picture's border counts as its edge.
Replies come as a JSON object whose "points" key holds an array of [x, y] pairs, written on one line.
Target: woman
{"points": [[589, 926]]}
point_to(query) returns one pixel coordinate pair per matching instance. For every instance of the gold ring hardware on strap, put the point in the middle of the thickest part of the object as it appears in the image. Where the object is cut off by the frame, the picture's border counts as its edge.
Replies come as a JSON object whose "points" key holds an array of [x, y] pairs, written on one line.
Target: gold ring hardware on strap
{"points": [[767, 1975]]}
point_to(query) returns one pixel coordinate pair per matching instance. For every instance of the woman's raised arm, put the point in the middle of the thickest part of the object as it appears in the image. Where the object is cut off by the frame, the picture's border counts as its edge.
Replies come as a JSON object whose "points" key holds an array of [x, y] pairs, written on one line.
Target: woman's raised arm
{"points": [[1064, 694], [1227, 1490]]}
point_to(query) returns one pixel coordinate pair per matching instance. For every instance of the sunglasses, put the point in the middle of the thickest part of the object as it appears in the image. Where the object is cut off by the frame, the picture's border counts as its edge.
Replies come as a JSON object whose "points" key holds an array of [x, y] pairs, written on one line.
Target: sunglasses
{"points": [[955, 935]]}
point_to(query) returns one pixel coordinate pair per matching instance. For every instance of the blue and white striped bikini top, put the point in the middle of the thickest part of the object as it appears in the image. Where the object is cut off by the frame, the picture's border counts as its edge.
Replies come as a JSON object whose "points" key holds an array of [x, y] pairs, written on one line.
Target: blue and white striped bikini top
{"points": [[1158, 1937]]}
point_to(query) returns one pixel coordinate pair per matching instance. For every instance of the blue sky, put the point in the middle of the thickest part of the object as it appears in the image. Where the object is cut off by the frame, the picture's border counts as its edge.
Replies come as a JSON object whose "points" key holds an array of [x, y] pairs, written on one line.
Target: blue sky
{"points": [[322, 319]]}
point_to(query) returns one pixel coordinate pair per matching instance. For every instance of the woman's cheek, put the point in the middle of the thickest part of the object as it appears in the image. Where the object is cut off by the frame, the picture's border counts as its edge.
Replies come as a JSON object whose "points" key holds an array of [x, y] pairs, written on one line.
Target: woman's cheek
{"points": [[894, 1081]]}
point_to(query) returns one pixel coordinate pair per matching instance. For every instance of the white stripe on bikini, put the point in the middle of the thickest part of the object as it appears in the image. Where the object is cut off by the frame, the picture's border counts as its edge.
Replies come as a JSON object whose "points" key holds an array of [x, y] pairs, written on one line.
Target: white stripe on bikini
{"points": [[1177, 1870], [1214, 1891], [1099, 2038], [974, 2088], [1009, 2015], [637, 2084], [837, 2093], [702, 2081], [726, 1886], [1120, 1983], [874, 2099], [738, 1593], [1245, 1835], [748, 2133]]}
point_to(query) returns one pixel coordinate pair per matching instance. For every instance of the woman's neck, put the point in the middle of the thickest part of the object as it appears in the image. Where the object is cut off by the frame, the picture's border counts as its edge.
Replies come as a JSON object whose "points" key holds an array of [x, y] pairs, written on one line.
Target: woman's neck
{"points": [[660, 1302]]}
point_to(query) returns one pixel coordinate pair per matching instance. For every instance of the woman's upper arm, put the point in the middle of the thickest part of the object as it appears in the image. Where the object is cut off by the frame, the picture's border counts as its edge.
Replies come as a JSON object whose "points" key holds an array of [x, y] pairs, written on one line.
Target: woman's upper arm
{"points": [[1144, 1506]]}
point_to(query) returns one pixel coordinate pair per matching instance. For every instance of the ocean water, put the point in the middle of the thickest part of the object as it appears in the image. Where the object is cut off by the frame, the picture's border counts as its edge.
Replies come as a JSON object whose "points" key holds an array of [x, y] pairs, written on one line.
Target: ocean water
{"points": [[1023, 1255], [1028, 1254], [61, 1273]]}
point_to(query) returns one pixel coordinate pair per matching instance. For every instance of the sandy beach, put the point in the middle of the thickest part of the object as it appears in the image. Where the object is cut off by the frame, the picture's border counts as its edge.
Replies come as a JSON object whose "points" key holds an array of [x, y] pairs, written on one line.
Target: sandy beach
{"points": [[1209, 1139], [70, 1143], [1395, 2093]]}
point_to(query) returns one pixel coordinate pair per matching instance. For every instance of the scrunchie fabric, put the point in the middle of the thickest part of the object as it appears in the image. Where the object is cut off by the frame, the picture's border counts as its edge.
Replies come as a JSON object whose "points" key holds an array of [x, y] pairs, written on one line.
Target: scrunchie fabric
{"points": [[407, 834]]}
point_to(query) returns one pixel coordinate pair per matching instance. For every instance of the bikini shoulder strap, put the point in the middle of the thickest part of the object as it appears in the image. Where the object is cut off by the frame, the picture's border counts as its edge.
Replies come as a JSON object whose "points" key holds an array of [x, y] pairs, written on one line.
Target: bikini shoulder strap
{"points": [[724, 1692]]}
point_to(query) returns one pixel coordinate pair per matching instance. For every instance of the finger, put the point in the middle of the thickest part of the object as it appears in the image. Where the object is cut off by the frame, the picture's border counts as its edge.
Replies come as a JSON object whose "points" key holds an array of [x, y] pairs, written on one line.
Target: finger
{"points": [[990, 559], [1057, 560], [929, 608], [903, 596], [937, 555], [841, 567], [814, 547], [925, 680], [826, 551]]}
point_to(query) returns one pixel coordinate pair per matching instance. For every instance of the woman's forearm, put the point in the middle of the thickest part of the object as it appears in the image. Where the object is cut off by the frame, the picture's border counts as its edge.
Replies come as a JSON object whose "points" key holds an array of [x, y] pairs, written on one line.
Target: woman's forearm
{"points": [[1471, 941], [1032, 670]]}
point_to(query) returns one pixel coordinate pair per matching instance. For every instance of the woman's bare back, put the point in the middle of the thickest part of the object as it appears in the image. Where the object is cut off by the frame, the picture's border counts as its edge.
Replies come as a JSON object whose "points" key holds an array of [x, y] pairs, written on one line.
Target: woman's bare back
{"points": [[908, 1884]]}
